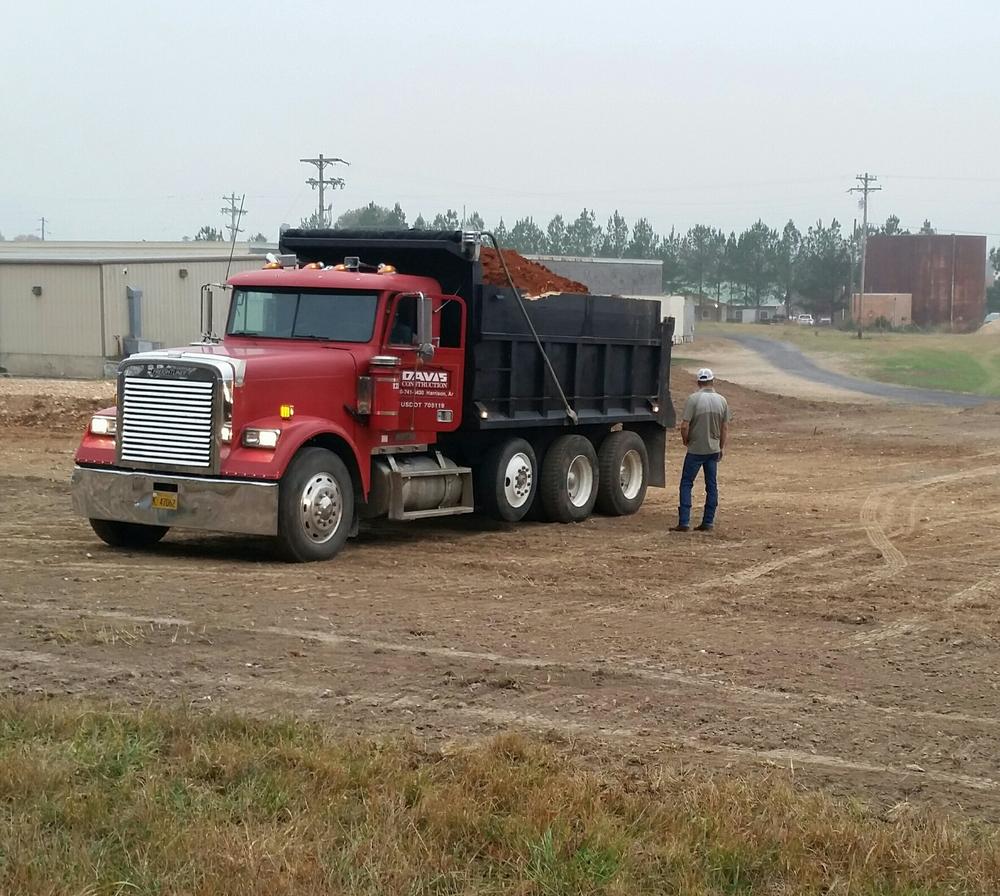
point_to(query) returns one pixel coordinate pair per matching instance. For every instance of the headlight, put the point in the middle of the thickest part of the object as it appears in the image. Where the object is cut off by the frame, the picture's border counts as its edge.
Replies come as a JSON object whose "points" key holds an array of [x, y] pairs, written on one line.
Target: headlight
{"points": [[100, 425], [261, 438], [227, 433]]}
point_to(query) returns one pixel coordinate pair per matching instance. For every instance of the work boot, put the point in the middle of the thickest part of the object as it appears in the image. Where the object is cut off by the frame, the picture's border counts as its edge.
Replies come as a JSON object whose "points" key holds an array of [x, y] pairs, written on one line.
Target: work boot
{"points": [[703, 528], [680, 528]]}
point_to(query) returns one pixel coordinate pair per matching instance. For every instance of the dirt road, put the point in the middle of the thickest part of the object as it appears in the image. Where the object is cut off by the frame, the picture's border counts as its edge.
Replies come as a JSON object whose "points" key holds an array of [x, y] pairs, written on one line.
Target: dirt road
{"points": [[842, 622]]}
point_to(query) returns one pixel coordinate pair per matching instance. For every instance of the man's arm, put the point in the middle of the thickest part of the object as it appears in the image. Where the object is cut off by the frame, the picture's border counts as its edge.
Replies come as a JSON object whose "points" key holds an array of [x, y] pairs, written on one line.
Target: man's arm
{"points": [[723, 437], [686, 418]]}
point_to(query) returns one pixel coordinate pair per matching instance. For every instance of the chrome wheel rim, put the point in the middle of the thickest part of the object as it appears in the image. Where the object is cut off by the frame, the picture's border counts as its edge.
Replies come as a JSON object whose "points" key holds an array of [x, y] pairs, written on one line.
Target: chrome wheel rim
{"points": [[517, 480], [579, 480], [321, 508], [630, 476]]}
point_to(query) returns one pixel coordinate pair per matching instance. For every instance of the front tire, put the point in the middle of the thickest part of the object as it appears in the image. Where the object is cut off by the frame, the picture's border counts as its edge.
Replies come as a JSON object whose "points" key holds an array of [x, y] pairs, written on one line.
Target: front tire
{"points": [[570, 479], [507, 480], [315, 506], [623, 463], [127, 535]]}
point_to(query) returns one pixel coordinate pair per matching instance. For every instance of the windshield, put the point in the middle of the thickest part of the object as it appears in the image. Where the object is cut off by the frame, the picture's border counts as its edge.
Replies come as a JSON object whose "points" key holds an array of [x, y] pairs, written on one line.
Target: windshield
{"points": [[291, 314]]}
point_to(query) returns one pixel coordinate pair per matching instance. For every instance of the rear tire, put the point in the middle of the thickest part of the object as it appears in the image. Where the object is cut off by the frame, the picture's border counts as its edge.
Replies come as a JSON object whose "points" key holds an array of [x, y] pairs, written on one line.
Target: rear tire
{"points": [[128, 535], [569, 480], [507, 480], [624, 470], [315, 506]]}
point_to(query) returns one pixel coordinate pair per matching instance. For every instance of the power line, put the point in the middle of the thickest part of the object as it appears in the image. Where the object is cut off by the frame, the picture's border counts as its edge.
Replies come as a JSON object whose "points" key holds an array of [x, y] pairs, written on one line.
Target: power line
{"points": [[323, 216], [235, 213], [971, 180], [866, 180], [44, 221]]}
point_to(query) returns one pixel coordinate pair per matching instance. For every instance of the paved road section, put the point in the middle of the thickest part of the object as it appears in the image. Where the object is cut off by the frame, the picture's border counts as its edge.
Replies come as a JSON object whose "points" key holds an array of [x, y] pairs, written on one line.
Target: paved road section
{"points": [[790, 359]]}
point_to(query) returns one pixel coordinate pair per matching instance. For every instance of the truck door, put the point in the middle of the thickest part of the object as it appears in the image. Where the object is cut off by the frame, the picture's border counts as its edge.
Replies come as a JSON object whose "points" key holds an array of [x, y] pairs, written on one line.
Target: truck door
{"points": [[430, 387]]}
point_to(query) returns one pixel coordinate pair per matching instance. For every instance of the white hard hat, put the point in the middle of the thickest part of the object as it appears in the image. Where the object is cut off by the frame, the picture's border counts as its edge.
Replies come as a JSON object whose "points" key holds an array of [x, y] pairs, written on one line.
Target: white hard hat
{"points": [[705, 375]]}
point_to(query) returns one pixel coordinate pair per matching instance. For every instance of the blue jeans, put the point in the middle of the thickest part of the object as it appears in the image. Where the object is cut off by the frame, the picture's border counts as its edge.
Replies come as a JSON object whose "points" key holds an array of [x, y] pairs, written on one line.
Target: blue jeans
{"points": [[692, 464]]}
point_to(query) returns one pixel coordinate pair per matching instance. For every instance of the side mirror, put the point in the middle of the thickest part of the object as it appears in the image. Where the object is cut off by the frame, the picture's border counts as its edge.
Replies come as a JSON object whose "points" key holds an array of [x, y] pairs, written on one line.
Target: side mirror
{"points": [[425, 327]]}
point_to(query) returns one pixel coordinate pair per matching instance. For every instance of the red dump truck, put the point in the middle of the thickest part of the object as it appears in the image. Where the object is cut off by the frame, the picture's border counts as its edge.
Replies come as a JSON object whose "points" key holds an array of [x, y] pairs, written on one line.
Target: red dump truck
{"points": [[374, 374]]}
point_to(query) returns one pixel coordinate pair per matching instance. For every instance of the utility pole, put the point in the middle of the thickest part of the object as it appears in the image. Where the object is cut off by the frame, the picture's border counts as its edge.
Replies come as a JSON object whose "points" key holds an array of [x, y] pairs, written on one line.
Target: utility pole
{"points": [[866, 180], [235, 213], [854, 262], [321, 182], [44, 222]]}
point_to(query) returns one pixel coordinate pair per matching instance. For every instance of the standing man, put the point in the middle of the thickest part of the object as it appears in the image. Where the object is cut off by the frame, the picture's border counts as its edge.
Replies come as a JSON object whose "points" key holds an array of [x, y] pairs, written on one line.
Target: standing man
{"points": [[704, 430]]}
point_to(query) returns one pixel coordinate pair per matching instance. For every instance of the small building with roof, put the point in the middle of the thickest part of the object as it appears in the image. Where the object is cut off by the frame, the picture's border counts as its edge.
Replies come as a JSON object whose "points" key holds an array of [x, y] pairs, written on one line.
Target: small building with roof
{"points": [[74, 309]]}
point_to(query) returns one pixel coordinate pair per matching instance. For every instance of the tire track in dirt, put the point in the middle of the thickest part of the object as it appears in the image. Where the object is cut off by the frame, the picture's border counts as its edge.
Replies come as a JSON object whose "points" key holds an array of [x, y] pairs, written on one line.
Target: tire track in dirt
{"points": [[253, 568], [896, 561], [893, 557], [989, 586], [636, 668], [537, 721], [877, 504]]}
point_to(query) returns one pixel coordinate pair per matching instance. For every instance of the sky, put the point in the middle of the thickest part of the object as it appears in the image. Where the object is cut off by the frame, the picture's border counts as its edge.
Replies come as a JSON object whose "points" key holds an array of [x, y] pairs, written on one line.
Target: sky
{"points": [[131, 120]]}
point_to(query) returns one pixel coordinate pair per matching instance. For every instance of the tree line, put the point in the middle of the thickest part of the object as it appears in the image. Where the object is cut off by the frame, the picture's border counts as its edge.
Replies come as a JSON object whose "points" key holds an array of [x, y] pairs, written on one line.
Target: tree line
{"points": [[813, 268]]}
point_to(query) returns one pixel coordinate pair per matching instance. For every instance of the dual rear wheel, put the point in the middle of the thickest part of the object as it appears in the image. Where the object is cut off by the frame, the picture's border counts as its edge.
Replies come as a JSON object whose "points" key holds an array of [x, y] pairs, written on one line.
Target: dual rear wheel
{"points": [[572, 480]]}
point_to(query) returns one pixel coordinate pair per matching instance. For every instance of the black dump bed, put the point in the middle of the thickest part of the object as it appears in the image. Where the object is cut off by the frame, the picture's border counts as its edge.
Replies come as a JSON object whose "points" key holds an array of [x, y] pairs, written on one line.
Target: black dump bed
{"points": [[610, 355]]}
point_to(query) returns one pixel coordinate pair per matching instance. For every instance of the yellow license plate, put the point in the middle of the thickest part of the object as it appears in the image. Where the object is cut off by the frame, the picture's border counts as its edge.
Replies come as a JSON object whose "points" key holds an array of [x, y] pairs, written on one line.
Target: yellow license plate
{"points": [[165, 500]]}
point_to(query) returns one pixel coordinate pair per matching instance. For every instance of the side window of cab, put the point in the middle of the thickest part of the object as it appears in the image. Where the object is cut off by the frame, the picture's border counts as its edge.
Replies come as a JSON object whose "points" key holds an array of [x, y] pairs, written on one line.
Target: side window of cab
{"points": [[403, 329]]}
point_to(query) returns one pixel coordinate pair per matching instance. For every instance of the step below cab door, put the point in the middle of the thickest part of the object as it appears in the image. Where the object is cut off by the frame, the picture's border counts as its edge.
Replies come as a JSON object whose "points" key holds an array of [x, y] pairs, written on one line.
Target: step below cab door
{"points": [[427, 333]]}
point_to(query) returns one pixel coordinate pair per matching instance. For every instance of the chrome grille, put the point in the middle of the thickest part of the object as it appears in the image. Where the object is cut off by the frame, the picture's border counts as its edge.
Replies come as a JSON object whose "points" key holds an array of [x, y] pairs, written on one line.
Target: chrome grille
{"points": [[167, 422]]}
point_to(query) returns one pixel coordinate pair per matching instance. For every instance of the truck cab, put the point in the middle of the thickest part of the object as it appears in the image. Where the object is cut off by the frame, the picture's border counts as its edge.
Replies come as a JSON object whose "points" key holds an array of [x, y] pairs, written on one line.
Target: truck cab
{"points": [[339, 392]]}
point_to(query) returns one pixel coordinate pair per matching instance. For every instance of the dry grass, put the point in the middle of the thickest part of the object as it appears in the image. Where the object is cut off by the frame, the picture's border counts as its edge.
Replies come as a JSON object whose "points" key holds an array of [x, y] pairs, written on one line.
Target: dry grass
{"points": [[108, 802]]}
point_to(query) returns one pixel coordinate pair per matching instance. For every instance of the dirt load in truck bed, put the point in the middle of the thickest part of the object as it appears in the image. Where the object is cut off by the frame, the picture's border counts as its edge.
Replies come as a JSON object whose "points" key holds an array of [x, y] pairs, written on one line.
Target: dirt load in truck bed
{"points": [[530, 276]]}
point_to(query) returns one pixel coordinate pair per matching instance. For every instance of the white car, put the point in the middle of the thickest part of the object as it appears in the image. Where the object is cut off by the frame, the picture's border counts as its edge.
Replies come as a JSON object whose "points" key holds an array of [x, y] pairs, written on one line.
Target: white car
{"points": [[805, 320]]}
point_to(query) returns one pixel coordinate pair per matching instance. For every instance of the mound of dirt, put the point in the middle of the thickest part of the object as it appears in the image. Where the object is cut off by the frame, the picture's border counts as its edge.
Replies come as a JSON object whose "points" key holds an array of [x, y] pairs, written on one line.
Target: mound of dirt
{"points": [[531, 277], [992, 329], [990, 408], [747, 404], [55, 405]]}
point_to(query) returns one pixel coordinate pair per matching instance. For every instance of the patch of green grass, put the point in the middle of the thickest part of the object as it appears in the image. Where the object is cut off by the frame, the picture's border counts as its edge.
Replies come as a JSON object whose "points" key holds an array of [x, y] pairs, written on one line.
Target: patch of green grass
{"points": [[955, 371], [111, 802], [560, 868], [955, 362]]}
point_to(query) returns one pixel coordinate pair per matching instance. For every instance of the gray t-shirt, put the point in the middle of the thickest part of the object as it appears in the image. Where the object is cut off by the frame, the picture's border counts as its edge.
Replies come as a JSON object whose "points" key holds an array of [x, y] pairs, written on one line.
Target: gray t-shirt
{"points": [[705, 412]]}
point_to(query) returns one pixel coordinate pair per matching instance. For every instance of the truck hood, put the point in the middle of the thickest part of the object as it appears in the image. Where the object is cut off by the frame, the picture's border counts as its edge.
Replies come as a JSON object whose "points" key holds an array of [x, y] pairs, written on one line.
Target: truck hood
{"points": [[316, 378], [279, 360]]}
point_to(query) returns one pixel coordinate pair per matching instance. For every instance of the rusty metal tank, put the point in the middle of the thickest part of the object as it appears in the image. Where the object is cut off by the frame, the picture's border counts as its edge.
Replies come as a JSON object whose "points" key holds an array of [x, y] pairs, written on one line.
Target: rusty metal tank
{"points": [[945, 274]]}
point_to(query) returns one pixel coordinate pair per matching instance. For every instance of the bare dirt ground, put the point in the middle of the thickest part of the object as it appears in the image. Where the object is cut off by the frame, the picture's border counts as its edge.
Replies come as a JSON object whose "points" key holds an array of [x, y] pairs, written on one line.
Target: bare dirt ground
{"points": [[841, 623]]}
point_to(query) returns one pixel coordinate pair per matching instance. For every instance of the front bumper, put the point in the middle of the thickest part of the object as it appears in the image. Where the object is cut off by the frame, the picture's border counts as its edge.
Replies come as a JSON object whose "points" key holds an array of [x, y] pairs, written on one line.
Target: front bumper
{"points": [[222, 505]]}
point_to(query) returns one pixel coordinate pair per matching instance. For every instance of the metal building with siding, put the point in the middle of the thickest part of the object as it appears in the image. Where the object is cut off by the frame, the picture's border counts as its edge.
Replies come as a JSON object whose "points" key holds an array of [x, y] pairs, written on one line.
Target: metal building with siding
{"points": [[64, 311], [608, 276]]}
